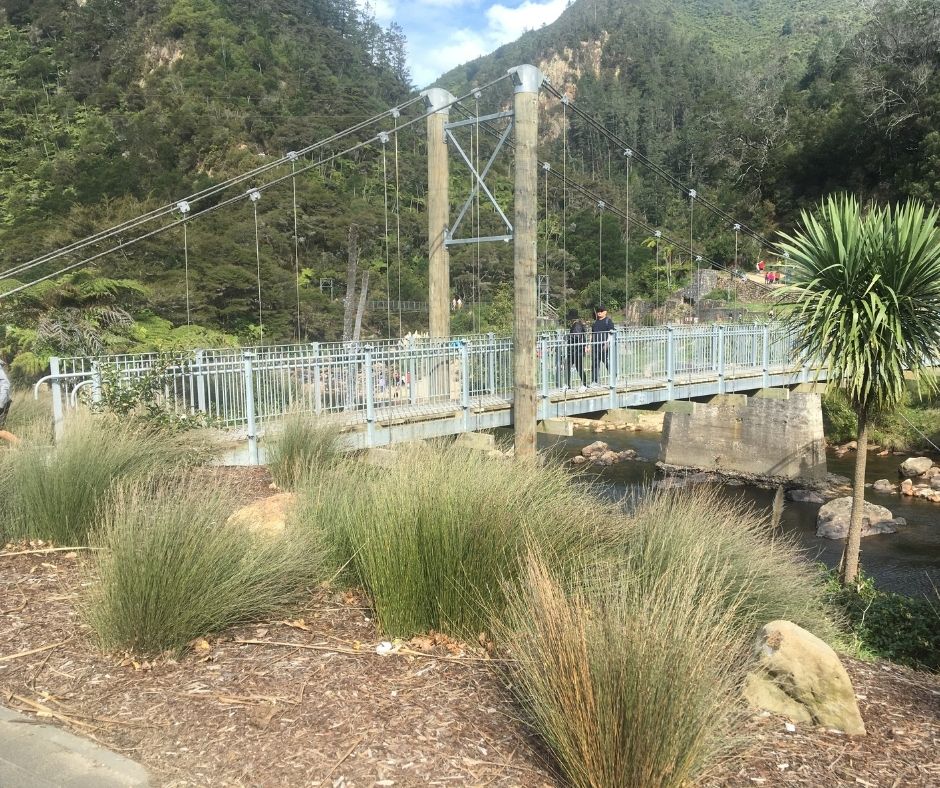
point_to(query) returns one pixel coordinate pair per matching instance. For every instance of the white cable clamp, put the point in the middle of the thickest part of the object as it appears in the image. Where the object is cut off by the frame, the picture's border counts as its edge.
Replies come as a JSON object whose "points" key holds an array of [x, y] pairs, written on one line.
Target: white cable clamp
{"points": [[546, 166], [628, 152], [293, 155], [692, 194], [601, 204], [477, 94], [737, 227], [183, 207], [383, 137], [698, 258], [254, 195], [396, 113], [658, 234]]}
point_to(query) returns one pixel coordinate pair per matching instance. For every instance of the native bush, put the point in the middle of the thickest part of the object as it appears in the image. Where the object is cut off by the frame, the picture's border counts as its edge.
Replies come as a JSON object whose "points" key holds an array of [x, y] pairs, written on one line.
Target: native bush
{"points": [[434, 538], [170, 568], [629, 680], [891, 626], [53, 491], [768, 575], [304, 445]]}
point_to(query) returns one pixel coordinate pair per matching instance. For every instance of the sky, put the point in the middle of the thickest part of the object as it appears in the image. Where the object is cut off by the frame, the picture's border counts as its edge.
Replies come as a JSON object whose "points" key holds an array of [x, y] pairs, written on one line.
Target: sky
{"points": [[445, 33]]}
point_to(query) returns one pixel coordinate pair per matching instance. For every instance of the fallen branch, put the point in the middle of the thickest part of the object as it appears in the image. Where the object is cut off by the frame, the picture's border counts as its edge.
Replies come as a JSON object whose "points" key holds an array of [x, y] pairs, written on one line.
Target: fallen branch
{"points": [[366, 652], [33, 651], [345, 756], [44, 550]]}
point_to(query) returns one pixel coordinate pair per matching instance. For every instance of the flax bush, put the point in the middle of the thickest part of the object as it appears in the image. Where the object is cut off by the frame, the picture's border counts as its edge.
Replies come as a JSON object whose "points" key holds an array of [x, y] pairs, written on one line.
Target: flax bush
{"points": [[434, 538], [53, 492], [629, 683], [304, 445], [171, 569]]}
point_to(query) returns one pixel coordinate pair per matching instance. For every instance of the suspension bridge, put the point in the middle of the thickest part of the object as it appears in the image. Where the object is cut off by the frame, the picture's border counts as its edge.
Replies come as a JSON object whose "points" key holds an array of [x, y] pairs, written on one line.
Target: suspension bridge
{"points": [[394, 389]]}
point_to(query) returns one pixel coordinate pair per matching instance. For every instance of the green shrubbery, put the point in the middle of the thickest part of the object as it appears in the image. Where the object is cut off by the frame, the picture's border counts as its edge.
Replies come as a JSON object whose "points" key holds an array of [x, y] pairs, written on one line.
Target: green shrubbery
{"points": [[629, 668], [891, 626], [435, 538], [171, 569], [53, 492], [898, 430], [303, 446]]}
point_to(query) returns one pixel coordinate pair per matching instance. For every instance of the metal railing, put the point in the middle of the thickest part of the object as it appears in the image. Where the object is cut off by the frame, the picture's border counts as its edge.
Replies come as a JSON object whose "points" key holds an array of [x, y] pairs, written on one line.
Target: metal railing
{"points": [[400, 380]]}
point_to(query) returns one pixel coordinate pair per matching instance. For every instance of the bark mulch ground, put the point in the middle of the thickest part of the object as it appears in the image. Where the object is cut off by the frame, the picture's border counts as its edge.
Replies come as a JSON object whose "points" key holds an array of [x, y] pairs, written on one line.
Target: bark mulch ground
{"points": [[310, 702]]}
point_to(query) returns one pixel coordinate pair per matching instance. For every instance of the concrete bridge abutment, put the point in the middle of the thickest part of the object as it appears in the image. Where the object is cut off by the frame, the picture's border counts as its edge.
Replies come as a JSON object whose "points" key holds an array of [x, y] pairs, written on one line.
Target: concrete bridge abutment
{"points": [[774, 434]]}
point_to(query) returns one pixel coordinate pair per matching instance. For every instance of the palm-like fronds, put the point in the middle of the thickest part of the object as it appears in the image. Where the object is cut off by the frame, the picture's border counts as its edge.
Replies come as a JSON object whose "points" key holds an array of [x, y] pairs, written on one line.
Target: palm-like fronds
{"points": [[868, 295]]}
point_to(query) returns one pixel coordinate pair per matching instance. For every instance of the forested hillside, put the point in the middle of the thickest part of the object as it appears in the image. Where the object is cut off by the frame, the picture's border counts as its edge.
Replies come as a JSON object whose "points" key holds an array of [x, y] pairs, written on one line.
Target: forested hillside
{"points": [[109, 109]]}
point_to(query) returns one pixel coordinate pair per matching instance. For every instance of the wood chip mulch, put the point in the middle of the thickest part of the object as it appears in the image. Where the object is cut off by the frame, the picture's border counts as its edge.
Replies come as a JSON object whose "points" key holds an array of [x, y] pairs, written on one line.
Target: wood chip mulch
{"points": [[310, 702]]}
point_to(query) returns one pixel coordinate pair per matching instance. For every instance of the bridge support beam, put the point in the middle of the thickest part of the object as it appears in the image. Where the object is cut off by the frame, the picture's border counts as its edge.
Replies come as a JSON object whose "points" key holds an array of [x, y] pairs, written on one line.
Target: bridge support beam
{"points": [[439, 100], [527, 80]]}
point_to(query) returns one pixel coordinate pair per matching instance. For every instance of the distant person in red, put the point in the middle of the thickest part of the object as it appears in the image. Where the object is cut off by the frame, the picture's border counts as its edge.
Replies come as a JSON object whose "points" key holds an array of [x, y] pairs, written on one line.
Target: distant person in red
{"points": [[761, 265]]}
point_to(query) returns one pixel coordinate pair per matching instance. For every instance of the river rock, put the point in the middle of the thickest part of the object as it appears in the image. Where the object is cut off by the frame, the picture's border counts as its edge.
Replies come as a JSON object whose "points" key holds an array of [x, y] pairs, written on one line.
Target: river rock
{"points": [[832, 522], [799, 676], [267, 517], [579, 459], [927, 493], [883, 486], [935, 482], [932, 472], [806, 496], [915, 466], [596, 449], [907, 487]]}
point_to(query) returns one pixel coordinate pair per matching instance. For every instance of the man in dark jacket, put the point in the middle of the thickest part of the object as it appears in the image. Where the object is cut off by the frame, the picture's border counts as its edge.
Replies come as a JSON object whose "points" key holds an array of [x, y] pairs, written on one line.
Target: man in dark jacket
{"points": [[600, 342], [577, 344]]}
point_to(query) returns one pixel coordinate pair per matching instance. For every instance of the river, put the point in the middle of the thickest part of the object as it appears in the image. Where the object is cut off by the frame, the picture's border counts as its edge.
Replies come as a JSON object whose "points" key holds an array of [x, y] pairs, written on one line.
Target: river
{"points": [[907, 562]]}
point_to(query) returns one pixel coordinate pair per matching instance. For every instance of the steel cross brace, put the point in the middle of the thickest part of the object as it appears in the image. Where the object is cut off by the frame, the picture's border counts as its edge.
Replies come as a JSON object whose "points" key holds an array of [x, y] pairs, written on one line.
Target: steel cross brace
{"points": [[479, 178]]}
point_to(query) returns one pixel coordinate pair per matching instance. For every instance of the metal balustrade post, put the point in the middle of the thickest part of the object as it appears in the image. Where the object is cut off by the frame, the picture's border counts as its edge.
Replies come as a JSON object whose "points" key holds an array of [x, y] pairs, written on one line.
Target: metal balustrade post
{"points": [[95, 383], [412, 372], [670, 361], [57, 409], [563, 377], [317, 378], [465, 384], [765, 356], [247, 358], [612, 366], [200, 372], [720, 357], [491, 362], [543, 379], [714, 359], [370, 397]]}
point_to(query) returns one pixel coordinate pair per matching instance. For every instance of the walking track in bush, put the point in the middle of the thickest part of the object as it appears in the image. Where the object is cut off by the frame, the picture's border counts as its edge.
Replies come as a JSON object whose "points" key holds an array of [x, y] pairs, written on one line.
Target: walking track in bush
{"points": [[310, 702]]}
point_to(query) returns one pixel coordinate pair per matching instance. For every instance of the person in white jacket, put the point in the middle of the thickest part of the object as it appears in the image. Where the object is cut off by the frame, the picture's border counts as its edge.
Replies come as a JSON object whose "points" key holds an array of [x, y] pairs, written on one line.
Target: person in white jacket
{"points": [[6, 399]]}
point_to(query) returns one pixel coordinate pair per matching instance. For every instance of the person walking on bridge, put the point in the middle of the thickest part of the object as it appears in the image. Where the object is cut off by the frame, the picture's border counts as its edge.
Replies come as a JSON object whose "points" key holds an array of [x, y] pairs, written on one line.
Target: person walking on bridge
{"points": [[600, 343], [577, 345]]}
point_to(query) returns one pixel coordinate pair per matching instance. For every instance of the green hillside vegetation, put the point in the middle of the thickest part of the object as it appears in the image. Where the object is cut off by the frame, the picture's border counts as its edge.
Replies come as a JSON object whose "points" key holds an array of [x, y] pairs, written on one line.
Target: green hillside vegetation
{"points": [[109, 110]]}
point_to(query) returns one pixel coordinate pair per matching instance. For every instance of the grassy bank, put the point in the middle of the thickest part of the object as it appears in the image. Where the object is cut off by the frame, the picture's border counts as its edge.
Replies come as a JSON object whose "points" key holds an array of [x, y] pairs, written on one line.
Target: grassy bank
{"points": [[910, 427]]}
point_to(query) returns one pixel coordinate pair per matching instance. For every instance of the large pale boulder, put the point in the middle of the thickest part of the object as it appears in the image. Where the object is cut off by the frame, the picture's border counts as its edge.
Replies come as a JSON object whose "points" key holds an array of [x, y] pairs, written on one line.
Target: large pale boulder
{"points": [[832, 522], [267, 517], [915, 466], [798, 676], [593, 450]]}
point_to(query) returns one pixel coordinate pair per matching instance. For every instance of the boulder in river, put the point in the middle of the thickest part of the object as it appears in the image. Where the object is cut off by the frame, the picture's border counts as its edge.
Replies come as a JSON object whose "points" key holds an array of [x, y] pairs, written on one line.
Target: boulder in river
{"points": [[883, 486], [832, 522], [799, 676], [915, 466], [806, 496]]}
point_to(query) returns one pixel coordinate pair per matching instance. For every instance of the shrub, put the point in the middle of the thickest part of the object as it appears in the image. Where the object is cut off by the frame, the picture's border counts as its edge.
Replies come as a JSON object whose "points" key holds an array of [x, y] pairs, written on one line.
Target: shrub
{"points": [[172, 569], [53, 492], [304, 445], [433, 538], [768, 576], [629, 682], [892, 626]]}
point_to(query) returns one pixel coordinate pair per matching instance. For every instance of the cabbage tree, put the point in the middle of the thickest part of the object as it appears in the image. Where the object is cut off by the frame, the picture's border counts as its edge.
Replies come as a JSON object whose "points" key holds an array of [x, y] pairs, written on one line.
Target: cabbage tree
{"points": [[866, 291]]}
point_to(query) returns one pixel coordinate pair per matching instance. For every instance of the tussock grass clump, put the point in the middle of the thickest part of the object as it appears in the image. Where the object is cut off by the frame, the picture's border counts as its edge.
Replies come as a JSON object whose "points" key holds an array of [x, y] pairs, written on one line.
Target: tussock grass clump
{"points": [[53, 492], [29, 418], [305, 445], [434, 538], [629, 683], [171, 568], [767, 574]]}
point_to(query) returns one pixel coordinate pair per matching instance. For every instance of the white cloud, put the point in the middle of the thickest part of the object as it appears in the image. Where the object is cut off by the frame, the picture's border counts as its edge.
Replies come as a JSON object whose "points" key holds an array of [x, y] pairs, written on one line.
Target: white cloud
{"points": [[384, 10], [436, 47]]}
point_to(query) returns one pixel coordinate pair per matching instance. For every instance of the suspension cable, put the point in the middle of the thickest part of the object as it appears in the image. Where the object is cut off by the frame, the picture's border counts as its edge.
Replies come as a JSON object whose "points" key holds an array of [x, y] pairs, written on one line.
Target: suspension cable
{"points": [[655, 168], [293, 181], [203, 194], [626, 261], [254, 196], [228, 201], [388, 258], [600, 252], [398, 224], [564, 206]]}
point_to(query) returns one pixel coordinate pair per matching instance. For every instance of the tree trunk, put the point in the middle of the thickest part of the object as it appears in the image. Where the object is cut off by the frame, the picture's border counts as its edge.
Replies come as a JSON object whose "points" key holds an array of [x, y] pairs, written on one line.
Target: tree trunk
{"points": [[853, 543], [352, 262], [363, 293]]}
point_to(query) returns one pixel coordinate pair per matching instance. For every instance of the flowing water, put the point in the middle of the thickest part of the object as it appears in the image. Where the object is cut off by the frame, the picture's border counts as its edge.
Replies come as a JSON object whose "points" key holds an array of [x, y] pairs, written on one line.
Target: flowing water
{"points": [[907, 562]]}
